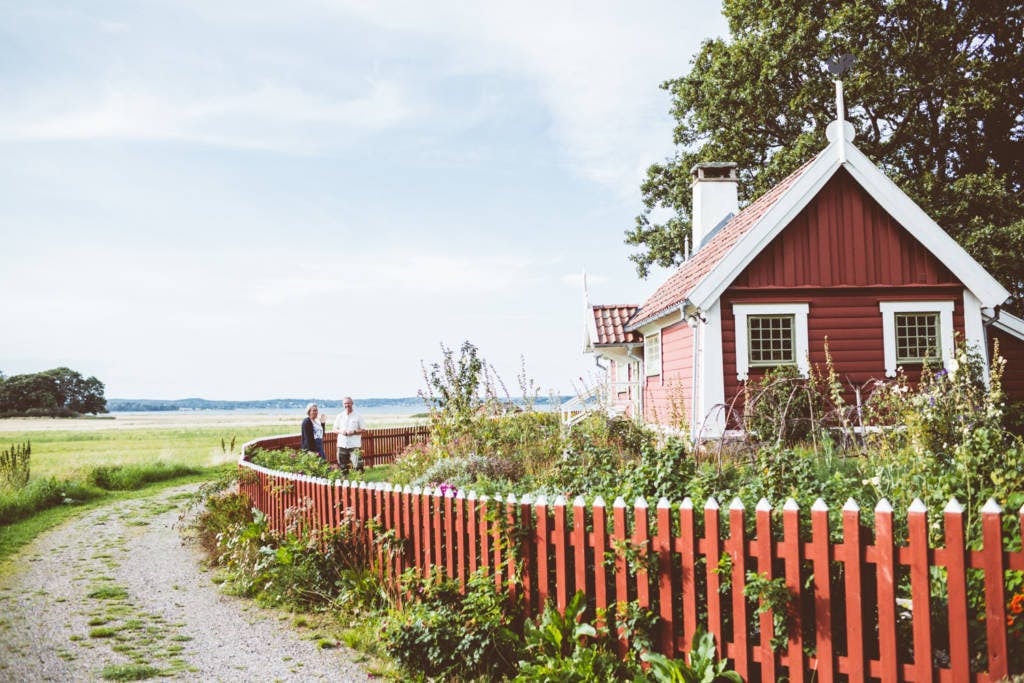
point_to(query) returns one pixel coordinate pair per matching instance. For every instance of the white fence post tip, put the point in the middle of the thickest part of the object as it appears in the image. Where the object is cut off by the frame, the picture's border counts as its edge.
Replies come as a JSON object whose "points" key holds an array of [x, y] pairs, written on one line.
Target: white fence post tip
{"points": [[619, 502], [362, 484], [472, 495], [511, 498], [599, 502], [640, 502], [560, 501], [460, 495], [790, 504], [736, 504], [883, 506], [687, 504], [917, 505], [449, 493], [406, 489], [851, 505], [526, 499], [541, 500], [663, 503], [819, 506], [712, 504], [416, 490], [579, 501], [763, 505], [954, 507], [991, 507], [346, 483], [484, 498]]}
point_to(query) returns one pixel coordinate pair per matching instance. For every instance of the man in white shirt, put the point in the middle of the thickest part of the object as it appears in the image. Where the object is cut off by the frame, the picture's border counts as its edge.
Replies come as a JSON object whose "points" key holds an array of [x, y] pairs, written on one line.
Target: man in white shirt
{"points": [[349, 425]]}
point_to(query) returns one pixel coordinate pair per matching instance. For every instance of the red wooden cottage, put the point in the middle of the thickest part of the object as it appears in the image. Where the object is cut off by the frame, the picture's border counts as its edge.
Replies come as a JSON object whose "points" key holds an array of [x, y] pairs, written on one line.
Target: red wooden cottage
{"points": [[835, 251]]}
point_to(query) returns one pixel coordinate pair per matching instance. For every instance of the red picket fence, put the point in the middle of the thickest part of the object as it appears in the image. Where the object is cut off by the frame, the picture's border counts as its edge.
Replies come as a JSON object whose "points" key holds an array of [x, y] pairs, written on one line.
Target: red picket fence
{"points": [[678, 563], [380, 446]]}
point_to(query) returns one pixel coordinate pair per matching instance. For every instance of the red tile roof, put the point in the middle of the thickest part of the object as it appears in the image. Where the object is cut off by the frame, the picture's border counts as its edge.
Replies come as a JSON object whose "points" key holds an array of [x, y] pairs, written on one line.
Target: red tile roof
{"points": [[610, 320], [678, 286]]}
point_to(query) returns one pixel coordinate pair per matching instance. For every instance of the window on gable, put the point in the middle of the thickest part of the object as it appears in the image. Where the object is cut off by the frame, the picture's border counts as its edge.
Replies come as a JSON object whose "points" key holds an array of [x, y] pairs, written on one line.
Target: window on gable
{"points": [[770, 334], [916, 331], [770, 340], [917, 337], [652, 354]]}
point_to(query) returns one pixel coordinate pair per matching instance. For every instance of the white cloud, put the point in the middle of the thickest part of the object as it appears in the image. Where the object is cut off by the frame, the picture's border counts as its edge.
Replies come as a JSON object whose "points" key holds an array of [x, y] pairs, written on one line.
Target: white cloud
{"points": [[279, 117]]}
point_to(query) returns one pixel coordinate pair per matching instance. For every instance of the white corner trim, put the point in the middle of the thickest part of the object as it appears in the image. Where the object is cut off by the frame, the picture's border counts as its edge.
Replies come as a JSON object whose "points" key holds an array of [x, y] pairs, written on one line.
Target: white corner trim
{"points": [[974, 329], [711, 394], [889, 310], [801, 347]]}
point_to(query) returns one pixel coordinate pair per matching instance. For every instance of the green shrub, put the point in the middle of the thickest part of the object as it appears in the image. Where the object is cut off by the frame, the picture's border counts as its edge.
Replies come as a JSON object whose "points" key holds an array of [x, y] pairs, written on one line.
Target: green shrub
{"points": [[41, 494], [132, 477], [447, 635], [15, 465], [295, 461]]}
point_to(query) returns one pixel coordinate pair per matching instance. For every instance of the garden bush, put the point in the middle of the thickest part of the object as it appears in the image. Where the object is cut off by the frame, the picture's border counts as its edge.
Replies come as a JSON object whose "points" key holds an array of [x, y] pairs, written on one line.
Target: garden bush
{"points": [[132, 477], [41, 494], [295, 461], [446, 635]]}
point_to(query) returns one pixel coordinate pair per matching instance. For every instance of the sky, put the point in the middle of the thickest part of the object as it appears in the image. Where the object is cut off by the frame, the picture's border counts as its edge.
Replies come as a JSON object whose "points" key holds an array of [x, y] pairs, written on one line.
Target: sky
{"points": [[245, 200]]}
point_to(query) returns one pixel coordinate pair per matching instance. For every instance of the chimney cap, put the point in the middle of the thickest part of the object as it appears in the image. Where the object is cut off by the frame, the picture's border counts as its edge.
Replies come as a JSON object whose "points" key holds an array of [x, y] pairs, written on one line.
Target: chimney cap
{"points": [[714, 170]]}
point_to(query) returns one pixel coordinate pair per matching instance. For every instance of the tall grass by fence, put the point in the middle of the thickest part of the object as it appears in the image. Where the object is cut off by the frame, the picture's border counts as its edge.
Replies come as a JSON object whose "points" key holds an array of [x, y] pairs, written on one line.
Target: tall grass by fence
{"points": [[693, 567]]}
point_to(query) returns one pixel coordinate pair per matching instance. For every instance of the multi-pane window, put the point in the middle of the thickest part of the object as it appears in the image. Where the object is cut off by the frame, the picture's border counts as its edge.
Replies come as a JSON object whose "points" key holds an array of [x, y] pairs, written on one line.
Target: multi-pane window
{"points": [[917, 337], [652, 354], [770, 340]]}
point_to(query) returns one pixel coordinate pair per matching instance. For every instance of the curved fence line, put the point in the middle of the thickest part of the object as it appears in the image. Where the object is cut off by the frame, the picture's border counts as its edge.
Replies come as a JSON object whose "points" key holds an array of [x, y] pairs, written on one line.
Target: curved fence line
{"points": [[691, 567], [379, 446]]}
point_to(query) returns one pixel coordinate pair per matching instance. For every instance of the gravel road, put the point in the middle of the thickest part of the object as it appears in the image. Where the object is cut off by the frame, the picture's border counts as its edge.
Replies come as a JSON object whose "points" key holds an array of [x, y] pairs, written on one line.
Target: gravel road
{"points": [[116, 591]]}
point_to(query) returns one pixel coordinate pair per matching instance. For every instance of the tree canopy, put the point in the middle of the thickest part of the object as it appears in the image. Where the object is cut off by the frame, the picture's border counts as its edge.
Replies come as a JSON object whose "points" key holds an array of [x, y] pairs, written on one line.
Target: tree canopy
{"points": [[935, 94], [60, 391]]}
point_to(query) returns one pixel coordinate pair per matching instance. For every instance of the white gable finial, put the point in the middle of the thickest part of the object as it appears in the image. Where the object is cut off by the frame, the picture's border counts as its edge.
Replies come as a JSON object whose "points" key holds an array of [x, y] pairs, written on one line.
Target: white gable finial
{"points": [[840, 131], [840, 106]]}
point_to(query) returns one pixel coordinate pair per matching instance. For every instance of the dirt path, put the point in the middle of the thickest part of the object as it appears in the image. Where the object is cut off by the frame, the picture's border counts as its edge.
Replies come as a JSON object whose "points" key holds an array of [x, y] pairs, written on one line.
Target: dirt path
{"points": [[116, 591]]}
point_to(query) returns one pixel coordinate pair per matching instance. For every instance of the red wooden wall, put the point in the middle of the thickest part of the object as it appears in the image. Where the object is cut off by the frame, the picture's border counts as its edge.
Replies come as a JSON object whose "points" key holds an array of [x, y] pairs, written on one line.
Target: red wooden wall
{"points": [[843, 254], [1012, 349], [668, 397]]}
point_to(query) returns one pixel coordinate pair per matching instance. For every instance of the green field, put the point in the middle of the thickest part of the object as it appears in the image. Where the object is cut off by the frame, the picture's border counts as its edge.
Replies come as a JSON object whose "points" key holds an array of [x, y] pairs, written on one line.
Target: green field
{"points": [[72, 453]]}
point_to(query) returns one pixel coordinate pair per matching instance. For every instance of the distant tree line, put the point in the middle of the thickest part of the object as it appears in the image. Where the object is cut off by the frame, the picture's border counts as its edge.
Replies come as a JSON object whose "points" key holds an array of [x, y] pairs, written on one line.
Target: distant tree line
{"points": [[58, 392]]}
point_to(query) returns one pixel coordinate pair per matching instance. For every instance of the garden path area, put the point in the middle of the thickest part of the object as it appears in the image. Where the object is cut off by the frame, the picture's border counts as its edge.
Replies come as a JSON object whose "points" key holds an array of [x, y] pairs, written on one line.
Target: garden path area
{"points": [[116, 591]]}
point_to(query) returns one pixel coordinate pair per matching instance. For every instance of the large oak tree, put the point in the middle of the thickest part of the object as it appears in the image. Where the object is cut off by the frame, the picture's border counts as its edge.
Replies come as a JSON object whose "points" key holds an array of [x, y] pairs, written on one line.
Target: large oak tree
{"points": [[935, 94]]}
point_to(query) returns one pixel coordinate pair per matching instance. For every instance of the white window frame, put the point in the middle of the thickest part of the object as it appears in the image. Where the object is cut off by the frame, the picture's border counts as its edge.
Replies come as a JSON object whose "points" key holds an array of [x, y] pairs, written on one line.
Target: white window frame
{"points": [[652, 367], [889, 309], [800, 346]]}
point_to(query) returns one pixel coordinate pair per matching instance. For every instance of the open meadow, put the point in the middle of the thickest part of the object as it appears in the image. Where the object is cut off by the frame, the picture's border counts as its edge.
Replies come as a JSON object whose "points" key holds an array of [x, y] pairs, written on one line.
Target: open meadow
{"points": [[69, 448]]}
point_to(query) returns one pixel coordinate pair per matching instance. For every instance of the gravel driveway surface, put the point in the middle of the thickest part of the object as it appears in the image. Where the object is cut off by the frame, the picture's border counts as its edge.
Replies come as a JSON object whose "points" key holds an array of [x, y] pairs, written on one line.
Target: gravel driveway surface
{"points": [[116, 591]]}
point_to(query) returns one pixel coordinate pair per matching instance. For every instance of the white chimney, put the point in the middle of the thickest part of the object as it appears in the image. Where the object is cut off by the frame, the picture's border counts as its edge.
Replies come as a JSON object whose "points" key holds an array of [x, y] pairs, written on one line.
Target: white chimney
{"points": [[714, 197]]}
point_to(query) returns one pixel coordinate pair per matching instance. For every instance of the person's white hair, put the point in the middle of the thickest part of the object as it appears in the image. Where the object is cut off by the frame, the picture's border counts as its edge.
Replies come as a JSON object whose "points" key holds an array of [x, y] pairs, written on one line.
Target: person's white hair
{"points": [[310, 407]]}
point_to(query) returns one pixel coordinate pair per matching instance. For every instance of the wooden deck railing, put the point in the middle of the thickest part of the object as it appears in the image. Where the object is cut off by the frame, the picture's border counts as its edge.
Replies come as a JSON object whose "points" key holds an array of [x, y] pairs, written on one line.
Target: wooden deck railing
{"points": [[380, 446], [678, 561]]}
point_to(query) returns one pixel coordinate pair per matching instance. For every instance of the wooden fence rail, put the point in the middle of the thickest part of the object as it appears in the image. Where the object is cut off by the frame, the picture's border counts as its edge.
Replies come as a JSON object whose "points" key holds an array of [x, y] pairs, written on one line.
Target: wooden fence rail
{"points": [[379, 446], [865, 608]]}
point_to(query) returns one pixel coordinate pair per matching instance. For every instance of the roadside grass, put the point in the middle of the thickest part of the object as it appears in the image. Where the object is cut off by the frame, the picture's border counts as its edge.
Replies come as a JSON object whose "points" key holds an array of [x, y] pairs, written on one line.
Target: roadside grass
{"points": [[17, 534]]}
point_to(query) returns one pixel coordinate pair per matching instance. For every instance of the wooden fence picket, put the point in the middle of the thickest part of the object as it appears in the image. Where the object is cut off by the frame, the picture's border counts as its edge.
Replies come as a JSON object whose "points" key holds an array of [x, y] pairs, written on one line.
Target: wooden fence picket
{"points": [[534, 551]]}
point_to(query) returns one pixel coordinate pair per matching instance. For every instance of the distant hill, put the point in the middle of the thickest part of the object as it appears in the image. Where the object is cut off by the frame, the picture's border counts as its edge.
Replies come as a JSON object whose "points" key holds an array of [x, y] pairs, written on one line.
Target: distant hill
{"points": [[146, 404], [115, 405]]}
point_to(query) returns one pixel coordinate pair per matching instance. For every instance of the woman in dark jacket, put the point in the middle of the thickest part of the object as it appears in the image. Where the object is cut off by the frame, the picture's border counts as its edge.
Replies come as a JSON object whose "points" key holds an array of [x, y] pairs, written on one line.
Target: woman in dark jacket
{"points": [[313, 431]]}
